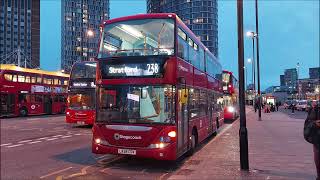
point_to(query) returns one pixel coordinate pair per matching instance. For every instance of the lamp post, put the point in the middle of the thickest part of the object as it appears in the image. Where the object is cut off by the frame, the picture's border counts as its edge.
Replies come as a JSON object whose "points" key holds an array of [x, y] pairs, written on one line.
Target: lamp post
{"points": [[298, 66], [252, 35], [258, 61], [90, 34], [249, 60], [243, 133]]}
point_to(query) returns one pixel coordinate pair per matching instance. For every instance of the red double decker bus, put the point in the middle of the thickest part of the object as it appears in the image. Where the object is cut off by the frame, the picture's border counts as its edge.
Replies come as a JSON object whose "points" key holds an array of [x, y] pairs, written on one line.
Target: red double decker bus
{"points": [[230, 88], [31, 92], [157, 88], [81, 100]]}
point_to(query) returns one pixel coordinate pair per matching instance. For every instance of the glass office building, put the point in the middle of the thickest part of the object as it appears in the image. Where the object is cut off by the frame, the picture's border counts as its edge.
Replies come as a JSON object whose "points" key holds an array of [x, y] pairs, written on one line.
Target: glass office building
{"points": [[81, 20], [201, 16]]}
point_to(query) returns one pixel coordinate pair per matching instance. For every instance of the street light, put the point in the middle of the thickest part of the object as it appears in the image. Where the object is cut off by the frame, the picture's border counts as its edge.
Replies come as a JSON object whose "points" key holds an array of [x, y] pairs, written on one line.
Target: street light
{"points": [[298, 66]]}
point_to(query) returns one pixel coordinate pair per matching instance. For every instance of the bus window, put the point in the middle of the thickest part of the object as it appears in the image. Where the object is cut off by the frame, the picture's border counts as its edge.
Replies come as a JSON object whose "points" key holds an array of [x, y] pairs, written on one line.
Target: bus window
{"points": [[22, 98], [56, 81], [38, 98], [14, 78], [33, 79], [8, 77], [20, 78], [56, 98], [39, 79], [28, 79]]}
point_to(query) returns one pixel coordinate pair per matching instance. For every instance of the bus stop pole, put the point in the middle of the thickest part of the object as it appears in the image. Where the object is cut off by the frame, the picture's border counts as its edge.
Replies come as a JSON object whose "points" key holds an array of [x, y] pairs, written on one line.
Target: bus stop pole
{"points": [[244, 159]]}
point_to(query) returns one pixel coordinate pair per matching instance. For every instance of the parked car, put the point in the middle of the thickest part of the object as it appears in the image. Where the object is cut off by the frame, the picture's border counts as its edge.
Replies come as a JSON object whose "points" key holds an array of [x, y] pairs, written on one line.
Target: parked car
{"points": [[301, 105]]}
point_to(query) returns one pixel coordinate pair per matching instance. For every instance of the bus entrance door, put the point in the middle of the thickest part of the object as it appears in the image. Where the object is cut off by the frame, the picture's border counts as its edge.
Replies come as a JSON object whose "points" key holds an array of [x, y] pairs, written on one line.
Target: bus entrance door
{"points": [[47, 104], [183, 120], [7, 104]]}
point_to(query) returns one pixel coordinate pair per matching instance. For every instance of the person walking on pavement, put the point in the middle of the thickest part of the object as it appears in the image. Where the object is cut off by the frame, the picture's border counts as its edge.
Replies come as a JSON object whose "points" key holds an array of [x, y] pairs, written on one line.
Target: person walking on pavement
{"points": [[292, 108], [312, 134], [277, 105]]}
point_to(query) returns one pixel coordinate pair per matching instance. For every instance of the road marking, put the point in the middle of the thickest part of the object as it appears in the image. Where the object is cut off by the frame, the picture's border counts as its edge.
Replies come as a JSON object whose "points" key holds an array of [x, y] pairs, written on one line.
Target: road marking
{"points": [[55, 172], [102, 156], [5, 144], [15, 145], [83, 172], [43, 138], [57, 136], [162, 176], [34, 142], [24, 141], [77, 134], [62, 137], [51, 139]]}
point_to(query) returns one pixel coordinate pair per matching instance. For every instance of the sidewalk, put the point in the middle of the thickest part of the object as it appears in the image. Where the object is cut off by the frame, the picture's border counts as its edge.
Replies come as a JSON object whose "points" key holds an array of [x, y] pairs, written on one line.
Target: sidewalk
{"points": [[277, 150]]}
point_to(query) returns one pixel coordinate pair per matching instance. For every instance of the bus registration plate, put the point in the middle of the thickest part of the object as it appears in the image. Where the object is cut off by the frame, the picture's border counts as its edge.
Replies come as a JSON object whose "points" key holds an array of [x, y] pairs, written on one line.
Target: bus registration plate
{"points": [[80, 122], [127, 151]]}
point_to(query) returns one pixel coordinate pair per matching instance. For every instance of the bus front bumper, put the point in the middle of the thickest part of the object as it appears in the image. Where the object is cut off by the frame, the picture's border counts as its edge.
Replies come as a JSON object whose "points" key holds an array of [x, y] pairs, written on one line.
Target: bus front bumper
{"points": [[166, 153]]}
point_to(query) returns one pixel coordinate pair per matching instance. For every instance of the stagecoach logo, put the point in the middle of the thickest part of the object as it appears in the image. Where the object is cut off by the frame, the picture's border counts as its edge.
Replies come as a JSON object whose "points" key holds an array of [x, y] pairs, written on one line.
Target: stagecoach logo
{"points": [[117, 136]]}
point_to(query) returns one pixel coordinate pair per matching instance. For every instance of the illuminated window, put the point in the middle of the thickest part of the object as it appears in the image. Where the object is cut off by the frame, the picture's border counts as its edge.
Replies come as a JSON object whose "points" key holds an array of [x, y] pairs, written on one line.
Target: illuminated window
{"points": [[14, 78], [39, 80], [190, 42], [65, 82], [8, 77], [33, 79], [28, 79], [56, 81], [20, 78]]}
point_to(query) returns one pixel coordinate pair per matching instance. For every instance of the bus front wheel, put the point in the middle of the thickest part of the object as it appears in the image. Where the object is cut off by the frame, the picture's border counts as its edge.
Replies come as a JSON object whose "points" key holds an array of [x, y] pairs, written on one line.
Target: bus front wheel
{"points": [[23, 111]]}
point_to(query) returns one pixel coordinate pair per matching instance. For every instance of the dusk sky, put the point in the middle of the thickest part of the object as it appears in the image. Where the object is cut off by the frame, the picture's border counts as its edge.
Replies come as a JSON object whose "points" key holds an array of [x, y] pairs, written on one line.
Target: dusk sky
{"points": [[289, 33]]}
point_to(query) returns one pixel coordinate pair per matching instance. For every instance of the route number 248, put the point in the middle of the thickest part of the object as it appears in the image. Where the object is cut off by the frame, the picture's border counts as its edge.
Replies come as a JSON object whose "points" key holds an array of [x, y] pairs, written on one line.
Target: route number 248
{"points": [[153, 68]]}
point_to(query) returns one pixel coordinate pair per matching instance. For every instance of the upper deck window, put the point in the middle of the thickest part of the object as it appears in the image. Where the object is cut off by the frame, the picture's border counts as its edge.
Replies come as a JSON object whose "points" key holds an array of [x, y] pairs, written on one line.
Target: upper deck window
{"points": [[138, 38], [84, 70]]}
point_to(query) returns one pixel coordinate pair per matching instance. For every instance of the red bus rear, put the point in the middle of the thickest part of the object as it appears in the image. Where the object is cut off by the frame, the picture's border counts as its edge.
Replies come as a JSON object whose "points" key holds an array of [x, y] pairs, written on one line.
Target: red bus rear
{"points": [[31, 92], [81, 93], [157, 88], [230, 95]]}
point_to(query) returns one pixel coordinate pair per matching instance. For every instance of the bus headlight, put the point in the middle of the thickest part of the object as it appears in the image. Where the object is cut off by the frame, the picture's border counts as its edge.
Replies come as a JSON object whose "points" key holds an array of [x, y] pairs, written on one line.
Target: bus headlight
{"points": [[231, 109], [101, 141], [68, 113]]}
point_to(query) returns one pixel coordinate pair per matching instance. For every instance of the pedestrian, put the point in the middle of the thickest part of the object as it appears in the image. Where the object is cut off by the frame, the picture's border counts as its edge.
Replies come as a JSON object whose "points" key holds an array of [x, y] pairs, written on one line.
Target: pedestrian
{"points": [[277, 105], [292, 108], [311, 134], [255, 106]]}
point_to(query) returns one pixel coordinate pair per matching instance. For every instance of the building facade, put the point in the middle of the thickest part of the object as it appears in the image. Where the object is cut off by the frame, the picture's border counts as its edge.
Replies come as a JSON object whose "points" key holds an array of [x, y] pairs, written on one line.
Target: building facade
{"points": [[201, 16], [314, 73], [282, 82], [20, 32], [80, 29], [290, 79]]}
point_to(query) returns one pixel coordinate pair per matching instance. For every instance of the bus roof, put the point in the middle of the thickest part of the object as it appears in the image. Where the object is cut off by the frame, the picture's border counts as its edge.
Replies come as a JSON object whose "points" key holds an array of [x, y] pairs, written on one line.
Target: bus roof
{"points": [[12, 67]]}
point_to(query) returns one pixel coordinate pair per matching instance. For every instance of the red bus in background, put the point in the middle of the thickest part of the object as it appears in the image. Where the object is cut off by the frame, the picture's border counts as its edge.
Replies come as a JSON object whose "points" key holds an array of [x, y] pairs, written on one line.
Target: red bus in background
{"points": [[157, 88], [31, 92], [230, 87], [81, 100]]}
